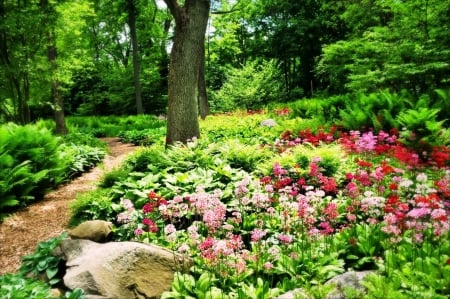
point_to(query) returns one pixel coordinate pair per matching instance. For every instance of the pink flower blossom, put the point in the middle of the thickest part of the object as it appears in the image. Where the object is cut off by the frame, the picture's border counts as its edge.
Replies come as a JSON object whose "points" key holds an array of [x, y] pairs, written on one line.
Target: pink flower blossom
{"points": [[257, 234], [286, 239]]}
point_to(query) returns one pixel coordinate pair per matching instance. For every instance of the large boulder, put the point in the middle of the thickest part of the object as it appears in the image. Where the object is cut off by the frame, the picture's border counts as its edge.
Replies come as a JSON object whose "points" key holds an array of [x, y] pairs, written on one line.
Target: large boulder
{"points": [[94, 230], [118, 270]]}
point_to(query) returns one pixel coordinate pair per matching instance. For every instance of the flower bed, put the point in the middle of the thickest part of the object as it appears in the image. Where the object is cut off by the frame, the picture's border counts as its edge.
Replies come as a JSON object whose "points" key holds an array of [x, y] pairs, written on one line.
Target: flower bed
{"points": [[379, 206]]}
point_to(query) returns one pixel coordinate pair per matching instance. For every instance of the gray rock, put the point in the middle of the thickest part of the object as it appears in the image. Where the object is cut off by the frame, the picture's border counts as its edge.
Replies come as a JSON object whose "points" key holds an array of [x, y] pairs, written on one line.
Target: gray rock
{"points": [[118, 270], [294, 294], [94, 230], [351, 279]]}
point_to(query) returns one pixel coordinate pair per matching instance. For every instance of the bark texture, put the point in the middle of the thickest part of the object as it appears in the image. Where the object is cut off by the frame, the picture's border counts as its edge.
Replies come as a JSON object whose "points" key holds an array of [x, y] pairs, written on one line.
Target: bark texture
{"points": [[188, 46]]}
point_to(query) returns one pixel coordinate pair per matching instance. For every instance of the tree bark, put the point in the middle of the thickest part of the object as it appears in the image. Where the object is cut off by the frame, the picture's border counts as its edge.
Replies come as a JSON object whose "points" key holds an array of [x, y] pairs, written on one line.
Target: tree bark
{"points": [[185, 59], [203, 105], [136, 63], [58, 102]]}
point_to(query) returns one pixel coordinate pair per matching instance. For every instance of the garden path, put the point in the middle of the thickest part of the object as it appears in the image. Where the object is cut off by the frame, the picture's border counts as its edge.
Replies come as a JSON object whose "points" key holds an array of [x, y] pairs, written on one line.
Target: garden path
{"points": [[21, 232]]}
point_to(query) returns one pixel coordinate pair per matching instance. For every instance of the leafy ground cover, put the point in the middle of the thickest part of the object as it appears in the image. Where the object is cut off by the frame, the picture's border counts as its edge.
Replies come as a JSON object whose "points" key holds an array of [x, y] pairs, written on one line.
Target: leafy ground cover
{"points": [[264, 205]]}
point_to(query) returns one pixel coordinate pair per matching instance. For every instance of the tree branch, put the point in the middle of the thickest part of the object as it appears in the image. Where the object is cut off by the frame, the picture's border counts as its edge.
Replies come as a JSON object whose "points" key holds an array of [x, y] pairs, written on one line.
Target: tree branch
{"points": [[174, 8], [232, 9]]}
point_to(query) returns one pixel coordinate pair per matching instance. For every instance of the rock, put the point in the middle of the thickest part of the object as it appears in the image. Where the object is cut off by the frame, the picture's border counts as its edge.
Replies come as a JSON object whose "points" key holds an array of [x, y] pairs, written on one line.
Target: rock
{"points": [[351, 279], [118, 270], [94, 230], [294, 294]]}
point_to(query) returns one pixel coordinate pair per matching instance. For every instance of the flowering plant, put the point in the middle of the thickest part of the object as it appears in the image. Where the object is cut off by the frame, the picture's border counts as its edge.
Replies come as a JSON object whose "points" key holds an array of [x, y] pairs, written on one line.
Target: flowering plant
{"points": [[304, 222]]}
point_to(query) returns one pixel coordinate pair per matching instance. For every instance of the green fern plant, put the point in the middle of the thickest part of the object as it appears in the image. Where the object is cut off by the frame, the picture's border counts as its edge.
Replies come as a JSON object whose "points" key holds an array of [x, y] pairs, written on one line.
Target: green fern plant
{"points": [[420, 127]]}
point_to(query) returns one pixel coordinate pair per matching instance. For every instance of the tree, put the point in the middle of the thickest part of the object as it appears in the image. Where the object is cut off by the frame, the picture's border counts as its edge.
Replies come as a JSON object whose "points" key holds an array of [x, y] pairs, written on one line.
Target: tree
{"points": [[132, 12], [185, 60], [52, 55]]}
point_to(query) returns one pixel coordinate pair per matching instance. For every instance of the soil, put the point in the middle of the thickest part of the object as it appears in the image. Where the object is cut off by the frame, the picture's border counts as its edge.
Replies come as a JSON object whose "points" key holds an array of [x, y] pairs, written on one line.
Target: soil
{"points": [[22, 231]]}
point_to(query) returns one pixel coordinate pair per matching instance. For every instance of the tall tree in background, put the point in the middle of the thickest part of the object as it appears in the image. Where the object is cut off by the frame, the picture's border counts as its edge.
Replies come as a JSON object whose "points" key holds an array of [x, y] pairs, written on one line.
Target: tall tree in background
{"points": [[132, 12], [191, 20], [52, 54]]}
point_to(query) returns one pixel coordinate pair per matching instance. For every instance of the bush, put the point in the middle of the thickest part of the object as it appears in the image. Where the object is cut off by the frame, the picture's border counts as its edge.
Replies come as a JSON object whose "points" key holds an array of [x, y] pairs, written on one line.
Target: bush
{"points": [[249, 87], [30, 163]]}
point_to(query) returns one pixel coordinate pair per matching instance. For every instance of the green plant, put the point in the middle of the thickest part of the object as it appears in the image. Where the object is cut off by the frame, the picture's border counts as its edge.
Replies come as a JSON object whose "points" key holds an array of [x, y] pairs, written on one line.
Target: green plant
{"points": [[186, 286], [15, 286], [250, 87], [420, 127], [42, 261], [75, 294], [91, 205]]}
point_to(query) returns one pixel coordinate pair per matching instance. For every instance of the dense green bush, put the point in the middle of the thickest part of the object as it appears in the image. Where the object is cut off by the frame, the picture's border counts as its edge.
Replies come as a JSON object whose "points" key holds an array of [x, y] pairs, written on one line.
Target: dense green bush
{"points": [[34, 161], [30, 163], [249, 87]]}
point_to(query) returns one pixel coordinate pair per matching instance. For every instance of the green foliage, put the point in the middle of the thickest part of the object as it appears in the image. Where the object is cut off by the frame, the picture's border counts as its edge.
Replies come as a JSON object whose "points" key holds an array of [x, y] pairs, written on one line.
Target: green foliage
{"points": [[396, 45], [325, 109], [79, 158], [33, 161], [111, 126], [42, 261], [186, 286], [15, 286], [142, 137], [30, 164], [249, 87], [377, 111], [241, 156], [92, 205], [420, 127]]}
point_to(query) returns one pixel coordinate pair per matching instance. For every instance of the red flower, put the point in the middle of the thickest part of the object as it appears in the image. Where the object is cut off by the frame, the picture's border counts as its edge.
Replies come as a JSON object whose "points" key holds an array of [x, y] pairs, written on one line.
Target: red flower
{"points": [[152, 195], [393, 186], [148, 208]]}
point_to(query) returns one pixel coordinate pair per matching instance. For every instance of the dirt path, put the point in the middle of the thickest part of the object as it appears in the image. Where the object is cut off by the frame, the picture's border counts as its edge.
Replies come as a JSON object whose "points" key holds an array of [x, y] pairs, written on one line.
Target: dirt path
{"points": [[20, 233]]}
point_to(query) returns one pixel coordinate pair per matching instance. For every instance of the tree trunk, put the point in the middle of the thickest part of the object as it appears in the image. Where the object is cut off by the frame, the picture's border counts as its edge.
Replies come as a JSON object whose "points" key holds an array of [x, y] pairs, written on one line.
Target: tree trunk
{"points": [[203, 105], [58, 101], [136, 63], [188, 46]]}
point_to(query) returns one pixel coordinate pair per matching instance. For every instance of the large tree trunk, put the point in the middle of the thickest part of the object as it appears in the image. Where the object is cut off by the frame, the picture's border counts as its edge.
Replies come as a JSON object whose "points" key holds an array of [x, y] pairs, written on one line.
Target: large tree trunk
{"points": [[203, 105], [188, 46], [136, 63]]}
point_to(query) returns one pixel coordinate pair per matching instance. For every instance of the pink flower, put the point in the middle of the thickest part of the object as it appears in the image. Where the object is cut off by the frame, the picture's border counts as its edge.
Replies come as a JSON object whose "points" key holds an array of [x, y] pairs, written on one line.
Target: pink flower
{"points": [[278, 170], [418, 212], [331, 211], [169, 229], [286, 239], [257, 234], [151, 225], [138, 231], [268, 265]]}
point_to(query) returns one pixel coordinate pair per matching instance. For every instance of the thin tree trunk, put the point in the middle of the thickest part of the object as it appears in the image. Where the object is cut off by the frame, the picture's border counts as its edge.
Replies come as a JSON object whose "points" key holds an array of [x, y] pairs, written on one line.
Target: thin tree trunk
{"points": [[58, 102], [136, 63]]}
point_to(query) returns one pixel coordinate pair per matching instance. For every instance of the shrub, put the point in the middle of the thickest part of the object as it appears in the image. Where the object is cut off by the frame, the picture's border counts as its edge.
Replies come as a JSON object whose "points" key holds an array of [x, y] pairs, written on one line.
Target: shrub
{"points": [[30, 161], [91, 205], [249, 87]]}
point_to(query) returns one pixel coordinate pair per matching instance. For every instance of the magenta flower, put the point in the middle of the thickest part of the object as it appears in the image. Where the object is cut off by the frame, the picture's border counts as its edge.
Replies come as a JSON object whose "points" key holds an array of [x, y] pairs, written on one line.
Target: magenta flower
{"points": [[138, 231], [286, 239], [257, 234]]}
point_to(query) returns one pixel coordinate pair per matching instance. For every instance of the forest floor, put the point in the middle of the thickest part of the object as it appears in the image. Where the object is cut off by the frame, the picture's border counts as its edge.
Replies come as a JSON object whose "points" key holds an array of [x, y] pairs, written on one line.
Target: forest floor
{"points": [[21, 232]]}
